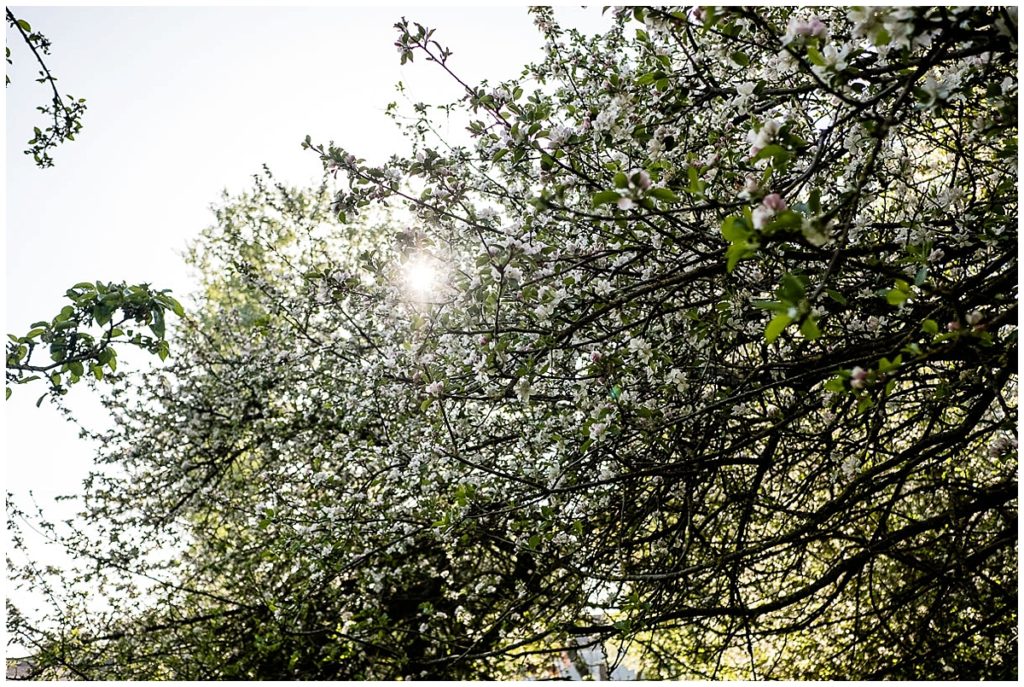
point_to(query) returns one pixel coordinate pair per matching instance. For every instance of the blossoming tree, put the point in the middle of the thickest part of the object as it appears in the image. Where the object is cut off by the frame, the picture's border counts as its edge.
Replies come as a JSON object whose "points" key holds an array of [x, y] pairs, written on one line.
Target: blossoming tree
{"points": [[699, 347]]}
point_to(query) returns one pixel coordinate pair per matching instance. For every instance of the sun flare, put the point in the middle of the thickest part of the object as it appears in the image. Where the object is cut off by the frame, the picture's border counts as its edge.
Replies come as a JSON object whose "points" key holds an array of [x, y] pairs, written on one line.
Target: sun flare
{"points": [[421, 277]]}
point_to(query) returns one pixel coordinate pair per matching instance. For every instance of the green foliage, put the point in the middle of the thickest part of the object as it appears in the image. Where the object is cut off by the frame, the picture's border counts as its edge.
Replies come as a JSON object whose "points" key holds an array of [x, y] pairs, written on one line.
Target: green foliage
{"points": [[115, 312]]}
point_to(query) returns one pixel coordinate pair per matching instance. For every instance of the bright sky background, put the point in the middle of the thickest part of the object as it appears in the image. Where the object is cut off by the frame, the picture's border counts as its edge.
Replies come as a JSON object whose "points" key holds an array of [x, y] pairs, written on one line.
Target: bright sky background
{"points": [[182, 104]]}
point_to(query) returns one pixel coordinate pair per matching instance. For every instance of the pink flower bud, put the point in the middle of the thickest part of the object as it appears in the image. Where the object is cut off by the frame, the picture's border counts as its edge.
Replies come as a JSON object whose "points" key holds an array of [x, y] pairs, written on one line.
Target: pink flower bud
{"points": [[816, 27], [596, 356], [774, 202], [643, 179], [953, 326], [858, 376]]}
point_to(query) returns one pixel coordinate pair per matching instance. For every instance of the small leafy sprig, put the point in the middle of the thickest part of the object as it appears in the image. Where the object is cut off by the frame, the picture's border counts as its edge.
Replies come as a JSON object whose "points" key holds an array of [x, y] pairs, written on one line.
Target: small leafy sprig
{"points": [[65, 112], [119, 309]]}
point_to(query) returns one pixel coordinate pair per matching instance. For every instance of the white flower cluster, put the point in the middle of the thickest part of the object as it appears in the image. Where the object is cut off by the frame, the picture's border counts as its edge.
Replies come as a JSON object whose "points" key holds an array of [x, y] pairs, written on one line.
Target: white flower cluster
{"points": [[764, 136]]}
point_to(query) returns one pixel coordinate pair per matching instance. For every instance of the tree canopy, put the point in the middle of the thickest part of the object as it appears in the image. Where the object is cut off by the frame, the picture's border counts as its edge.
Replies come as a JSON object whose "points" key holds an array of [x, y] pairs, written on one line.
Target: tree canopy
{"points": [[698, 346]]}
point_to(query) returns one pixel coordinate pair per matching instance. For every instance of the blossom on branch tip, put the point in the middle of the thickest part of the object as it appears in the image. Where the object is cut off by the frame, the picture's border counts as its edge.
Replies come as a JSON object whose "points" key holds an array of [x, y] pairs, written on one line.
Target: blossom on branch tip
{"points": [[641, 178], [763, 136], [523, 389], [774, 202], [761, 216], [641, 349], [804, 28], [850, 466]]}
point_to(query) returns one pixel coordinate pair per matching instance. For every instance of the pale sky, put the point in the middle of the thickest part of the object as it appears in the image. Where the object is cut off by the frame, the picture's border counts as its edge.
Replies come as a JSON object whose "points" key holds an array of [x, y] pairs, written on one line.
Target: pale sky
{"points": [[184, 102]]}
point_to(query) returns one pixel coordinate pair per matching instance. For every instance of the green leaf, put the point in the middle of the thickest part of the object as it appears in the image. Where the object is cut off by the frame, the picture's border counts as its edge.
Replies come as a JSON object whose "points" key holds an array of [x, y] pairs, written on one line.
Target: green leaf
{"points": [[787, 219], [886, 365], [158, 322], [835, 385], [930, 327], [737, 251], [836, 296], [815, 57], [774, 306], [621, 180], [734, 230], [26, 27], [102, 314], [740, 58], [176, 307], [809, 329], [774, 151], [791, 288], [913, 349], [604, 198], [776, 326], [665, 195], [814, 202], [896, 296]]}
